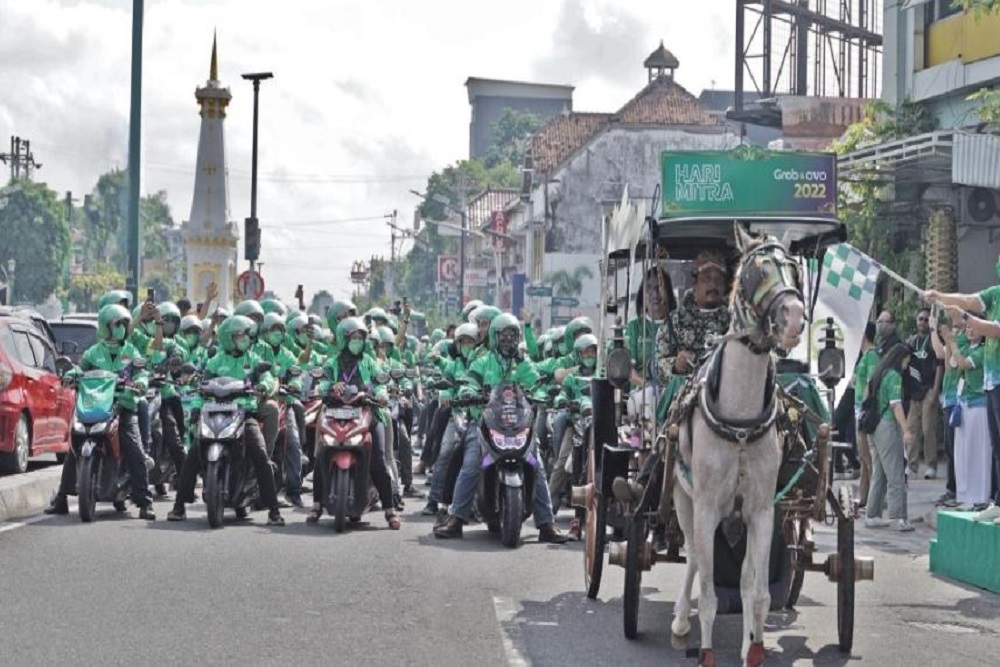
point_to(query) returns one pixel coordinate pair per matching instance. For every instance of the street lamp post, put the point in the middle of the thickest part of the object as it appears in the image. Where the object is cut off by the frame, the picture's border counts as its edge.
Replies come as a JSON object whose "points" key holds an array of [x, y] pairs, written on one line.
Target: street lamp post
{"points": [[11, 265], [252, 225]]}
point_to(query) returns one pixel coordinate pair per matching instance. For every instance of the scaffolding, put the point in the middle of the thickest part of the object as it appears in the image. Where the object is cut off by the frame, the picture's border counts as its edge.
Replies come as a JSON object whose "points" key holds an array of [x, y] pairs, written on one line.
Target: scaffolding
{"points": [[815, 48]]}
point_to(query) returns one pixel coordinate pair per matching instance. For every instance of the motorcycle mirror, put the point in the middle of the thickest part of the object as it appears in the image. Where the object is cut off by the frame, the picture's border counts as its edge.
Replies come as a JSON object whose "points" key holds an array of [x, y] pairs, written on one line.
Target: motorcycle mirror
{"points": [[68, 347], [63, 365], [139, 363], [294, 371], [554, 391], [619, 367], [188, 368], [382, 378], [411, 373], [262, 367], [397, 373], [317, 373]]}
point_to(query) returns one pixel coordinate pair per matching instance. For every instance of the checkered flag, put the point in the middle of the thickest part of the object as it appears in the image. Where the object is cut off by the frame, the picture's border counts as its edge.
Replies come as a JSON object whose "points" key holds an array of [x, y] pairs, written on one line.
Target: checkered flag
{"points": [[846, 293], [847, 268]]}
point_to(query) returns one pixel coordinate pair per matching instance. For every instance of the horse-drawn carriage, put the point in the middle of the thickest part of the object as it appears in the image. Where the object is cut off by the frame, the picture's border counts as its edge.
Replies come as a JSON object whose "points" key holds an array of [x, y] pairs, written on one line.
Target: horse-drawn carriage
{"points": [[746, 432]]}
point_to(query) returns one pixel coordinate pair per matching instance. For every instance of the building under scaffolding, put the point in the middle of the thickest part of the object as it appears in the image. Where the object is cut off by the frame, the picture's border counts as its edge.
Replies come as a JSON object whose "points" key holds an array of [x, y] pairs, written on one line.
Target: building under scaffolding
{"points": [[804, 48]]}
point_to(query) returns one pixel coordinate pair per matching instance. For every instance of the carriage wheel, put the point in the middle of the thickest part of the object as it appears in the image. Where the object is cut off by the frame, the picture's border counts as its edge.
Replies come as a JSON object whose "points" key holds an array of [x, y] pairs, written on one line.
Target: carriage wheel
{"points": [[795, 534], [595, 534], [637, 534], [845, 582]]}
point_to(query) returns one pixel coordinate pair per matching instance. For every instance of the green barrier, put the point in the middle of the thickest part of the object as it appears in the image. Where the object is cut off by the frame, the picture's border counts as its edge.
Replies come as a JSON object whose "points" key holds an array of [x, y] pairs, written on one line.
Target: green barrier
{"points": [[966, 550]]}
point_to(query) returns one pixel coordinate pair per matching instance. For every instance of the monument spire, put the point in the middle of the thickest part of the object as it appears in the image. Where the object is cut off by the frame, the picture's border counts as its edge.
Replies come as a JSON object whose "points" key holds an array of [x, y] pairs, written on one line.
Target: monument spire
{"points": [[213, 72]]}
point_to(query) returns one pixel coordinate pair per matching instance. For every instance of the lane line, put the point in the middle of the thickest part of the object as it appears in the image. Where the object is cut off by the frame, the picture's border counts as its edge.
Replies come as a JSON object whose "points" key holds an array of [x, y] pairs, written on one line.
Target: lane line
{"points": [[506, 610]]}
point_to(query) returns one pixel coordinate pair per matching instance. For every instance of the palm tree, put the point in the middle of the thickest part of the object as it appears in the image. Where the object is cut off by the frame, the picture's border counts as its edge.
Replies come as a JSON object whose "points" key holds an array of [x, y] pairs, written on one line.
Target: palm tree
{"points": [[565, 283]]}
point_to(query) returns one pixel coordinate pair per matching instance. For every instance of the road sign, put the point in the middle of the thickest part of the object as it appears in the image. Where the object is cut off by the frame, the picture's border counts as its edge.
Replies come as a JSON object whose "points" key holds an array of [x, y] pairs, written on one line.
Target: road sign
{"points": [[447, 269], [539, 290], [570, 301], [250, 285], [476, 277], [560, 320]]}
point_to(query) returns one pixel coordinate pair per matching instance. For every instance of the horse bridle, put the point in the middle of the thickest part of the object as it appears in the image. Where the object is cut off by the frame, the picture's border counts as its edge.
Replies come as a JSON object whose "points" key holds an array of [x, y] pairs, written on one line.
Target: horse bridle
{"points": [[760, 291]]}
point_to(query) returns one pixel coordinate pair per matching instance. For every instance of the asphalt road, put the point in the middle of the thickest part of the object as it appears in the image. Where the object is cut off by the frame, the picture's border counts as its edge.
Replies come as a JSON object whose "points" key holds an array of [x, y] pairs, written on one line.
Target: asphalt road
{"points": [[122, 591]]}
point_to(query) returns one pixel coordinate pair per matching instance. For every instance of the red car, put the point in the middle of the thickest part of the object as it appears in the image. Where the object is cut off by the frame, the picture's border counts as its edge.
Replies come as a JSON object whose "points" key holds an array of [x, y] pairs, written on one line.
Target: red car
{"points": [[36, 410]]}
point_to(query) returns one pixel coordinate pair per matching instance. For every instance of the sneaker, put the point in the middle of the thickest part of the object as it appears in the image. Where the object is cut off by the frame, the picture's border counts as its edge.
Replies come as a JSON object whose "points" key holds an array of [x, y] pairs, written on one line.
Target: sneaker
{"points": [[430, 509], [991, 513], [410, 492], [944, 498], [177, 514], [930, 472], [59, 506], [877, 522], [146, 513], [295, 499], [274, 518], [903, 526]]}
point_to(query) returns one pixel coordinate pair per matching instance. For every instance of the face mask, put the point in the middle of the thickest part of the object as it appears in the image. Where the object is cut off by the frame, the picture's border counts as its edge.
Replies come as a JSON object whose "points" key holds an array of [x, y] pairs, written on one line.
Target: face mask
{"points": [[169, 328], [301, 339], [118, 333], [884, 329], [356, 347], [466, 351], [191, 339], [273, 338], [589, 362], [243, 343]]}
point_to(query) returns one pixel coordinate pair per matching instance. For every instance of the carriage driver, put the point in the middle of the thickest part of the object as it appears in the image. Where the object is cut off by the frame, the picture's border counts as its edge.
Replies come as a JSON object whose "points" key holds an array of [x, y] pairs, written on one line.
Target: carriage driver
{"points": [[695, 327]]}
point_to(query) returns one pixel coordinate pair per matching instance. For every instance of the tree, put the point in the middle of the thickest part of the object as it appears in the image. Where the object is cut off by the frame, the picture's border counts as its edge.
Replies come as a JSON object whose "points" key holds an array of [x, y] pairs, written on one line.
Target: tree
{"points": [[989, 105], [162, 288], [569, 283], [320, 302], [86, 288], [510, 136], [34, 233], [978, 6], [156, 219]]}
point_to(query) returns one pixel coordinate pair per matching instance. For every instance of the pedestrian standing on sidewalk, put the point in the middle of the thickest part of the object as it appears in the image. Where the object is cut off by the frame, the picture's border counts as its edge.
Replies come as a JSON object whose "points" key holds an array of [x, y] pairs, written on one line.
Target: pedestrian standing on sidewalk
{"points": [[862, 373], [949, 393], [888, 442], [988, 326], [972, 432], [924, 409]]}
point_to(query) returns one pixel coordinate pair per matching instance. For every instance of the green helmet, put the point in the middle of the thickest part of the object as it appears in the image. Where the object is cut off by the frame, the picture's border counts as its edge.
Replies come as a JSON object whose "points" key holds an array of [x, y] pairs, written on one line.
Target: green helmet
{"points": [[190, 330], [339, 310], [273, 322], [483, 313], [114, 297], [554, 346], [377, 314], [347, 327], [298, 325], [441, 347], [467, 330], [109, 318], [251, 309], [274, 306], [411, 342], [393, 323], [469, 307], [385, 336], [577, 327], [232, 328], [171, 315], [437, 335], [505, 335], [581, 344]]}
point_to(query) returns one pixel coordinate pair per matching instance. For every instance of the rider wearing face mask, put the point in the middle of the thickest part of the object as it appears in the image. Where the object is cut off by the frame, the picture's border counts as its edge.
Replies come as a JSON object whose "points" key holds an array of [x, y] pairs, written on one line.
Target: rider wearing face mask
{"points": [[502, 362], [235, 359], [575, 388], [173, 353], [353, 368], [112, 352]]}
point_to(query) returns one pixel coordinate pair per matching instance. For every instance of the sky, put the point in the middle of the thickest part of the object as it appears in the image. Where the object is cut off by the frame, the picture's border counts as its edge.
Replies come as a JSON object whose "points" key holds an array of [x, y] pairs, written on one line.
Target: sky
{"points": [[367, 101]]}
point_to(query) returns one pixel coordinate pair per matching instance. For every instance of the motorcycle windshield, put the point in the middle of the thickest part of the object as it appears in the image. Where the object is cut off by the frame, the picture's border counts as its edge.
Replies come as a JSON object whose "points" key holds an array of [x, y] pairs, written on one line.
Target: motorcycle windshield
{"points": [[508, 411], [95, 396], [223, 387]]}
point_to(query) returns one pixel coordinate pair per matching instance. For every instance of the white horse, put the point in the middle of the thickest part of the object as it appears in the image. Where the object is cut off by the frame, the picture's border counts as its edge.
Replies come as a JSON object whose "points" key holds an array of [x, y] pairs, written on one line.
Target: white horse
{"points": [[731, 473]]}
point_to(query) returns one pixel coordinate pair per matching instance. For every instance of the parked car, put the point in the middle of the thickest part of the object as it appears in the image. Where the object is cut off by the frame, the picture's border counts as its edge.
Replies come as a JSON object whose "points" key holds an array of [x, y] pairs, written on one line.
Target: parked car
{"points": [[36, 410], [73, 336]]}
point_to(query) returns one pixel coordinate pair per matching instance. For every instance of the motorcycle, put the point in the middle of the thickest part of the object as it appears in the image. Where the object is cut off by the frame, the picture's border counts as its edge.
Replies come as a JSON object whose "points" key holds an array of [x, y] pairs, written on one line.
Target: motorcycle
{"points": [[164, 470], [227, 471], [285, 415], [102, 475], [344, 458], [506, 487]]}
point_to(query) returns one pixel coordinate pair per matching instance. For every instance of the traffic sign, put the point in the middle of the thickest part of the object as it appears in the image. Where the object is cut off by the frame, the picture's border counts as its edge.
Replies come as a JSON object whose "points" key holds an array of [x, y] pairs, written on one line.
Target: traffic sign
{"points": [[539, 290], [250, 285], [560, 320], [476, 277], [447, 269], [570, 301]]}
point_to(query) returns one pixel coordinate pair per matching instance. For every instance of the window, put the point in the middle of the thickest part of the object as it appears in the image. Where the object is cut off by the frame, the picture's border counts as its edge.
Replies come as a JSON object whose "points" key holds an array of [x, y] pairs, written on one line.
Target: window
{"points": [[43, 352], [23, 349]]}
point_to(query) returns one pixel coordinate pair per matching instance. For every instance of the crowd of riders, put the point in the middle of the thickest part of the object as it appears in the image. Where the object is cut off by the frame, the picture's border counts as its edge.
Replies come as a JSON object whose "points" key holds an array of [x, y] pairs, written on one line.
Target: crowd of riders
{"points": [[422, 392]]}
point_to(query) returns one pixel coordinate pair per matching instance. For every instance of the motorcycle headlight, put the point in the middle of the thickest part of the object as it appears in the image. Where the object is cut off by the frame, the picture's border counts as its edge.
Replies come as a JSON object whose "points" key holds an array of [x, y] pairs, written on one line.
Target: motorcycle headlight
{"points": [[232, 431], [503, 441], [355, 440], [99, 428]]}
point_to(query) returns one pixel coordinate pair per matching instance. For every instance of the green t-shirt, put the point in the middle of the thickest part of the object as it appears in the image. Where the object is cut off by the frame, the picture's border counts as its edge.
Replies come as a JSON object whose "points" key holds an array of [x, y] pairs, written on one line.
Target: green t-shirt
{"points": [[972, 393], [889, 391], [949, 381], [866, 366], [991, 353]]}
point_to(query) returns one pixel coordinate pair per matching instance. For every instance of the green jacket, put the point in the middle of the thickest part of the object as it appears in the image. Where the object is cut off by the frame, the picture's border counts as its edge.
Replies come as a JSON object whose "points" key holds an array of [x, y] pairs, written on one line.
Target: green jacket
{"points": [[172, 347], [531, 343], [489, 370], [282, 361], [575, 388], [386, 365], [100, 356], [241, 367], [367, 376]]}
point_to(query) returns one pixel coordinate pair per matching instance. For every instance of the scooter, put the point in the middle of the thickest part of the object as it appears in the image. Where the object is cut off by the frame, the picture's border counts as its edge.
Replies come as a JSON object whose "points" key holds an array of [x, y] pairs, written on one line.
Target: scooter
{"points": [[344, 458], [506, 487], [102, 475], [227, 471]]}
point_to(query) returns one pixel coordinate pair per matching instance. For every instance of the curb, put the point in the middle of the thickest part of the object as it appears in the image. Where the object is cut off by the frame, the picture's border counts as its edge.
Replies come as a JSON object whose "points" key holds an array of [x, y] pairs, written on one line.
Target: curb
{"points": [[28, 494]]}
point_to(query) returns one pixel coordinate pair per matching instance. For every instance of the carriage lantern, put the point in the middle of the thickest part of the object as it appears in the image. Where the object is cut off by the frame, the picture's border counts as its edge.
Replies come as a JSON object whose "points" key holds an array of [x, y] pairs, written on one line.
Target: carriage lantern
{"points": [[830, 360]]}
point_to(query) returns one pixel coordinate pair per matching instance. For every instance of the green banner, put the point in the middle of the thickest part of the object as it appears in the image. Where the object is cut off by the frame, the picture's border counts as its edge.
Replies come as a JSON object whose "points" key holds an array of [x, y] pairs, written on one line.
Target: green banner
{"points": [[749, 181]]}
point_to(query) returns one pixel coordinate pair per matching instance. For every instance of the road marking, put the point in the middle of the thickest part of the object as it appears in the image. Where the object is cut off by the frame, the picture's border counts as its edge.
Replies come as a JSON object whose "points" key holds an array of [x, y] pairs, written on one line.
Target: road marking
{"points": [[14, 525], [510, 632]]}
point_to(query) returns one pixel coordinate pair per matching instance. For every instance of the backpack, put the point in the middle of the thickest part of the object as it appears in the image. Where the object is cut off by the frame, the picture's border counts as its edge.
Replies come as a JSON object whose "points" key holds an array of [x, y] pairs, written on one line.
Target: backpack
{"points": [[869, 417]]}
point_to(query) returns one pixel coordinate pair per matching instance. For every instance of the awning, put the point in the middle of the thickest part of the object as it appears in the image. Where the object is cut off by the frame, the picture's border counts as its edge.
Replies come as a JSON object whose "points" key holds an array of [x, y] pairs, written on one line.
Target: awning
{"points": [[910, 4], [976, 160]]}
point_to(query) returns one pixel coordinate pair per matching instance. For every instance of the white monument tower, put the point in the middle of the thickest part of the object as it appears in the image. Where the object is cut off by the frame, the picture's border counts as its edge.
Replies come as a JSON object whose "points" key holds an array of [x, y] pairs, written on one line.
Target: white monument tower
{"points": [[210, 236]]}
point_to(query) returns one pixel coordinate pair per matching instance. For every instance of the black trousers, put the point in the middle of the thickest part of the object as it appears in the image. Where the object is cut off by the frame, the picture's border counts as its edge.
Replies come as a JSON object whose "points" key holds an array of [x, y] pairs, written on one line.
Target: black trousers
{"points": [[172, 419], [440, 423], [404, 452], [378, 471], [427, 416], [135, 460], [253, 440]]}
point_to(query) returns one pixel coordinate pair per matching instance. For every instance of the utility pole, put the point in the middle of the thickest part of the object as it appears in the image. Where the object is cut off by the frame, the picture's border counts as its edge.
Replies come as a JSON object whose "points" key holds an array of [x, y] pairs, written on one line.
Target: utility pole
{"points": [[390, 220], [134, 152], [20, 158], [462, 186], [252, 245]]}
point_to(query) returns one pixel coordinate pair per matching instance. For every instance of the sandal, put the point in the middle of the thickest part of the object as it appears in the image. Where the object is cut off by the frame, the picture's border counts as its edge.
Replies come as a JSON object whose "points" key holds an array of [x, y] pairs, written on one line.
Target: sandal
{"points": [[314, 515], [393, 520]]}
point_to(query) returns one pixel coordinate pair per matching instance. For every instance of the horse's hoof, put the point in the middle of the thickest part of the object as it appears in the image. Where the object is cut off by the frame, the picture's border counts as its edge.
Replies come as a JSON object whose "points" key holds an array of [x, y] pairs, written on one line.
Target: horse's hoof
{"points": [[681, 627], [755, 656], [678, 642], [707, 658]]}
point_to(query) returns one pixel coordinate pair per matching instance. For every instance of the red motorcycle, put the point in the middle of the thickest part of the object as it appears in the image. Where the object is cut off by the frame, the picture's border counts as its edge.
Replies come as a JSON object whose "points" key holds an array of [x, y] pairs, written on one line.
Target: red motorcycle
{"points": [[344, 452]]}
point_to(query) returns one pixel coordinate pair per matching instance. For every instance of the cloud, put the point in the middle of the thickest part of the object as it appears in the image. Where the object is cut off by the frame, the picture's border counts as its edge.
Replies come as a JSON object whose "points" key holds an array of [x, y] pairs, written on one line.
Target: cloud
{"points": [[357, 89]]}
